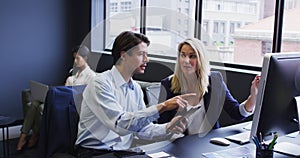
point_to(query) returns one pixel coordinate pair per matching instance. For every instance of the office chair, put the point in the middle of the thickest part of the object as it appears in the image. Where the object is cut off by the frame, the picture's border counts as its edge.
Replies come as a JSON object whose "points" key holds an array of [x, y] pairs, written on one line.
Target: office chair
{"points": [[152, 94], [60, 121], [105, 63], [155, 72]]}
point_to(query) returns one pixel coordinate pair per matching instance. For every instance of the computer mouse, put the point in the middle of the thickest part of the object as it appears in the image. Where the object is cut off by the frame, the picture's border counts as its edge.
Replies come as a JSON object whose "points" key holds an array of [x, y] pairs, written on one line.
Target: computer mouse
{"points": [[220, 141]]}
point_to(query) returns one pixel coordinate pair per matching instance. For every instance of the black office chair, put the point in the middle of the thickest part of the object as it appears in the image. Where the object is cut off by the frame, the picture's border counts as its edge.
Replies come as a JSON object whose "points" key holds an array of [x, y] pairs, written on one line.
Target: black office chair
{"points": [[105, 63], [154, 72]]}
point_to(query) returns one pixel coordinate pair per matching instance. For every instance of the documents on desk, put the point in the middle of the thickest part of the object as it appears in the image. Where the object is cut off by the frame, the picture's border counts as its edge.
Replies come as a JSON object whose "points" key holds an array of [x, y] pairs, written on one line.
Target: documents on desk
{"points": [[160, 155], [241, 138], [241, 151], [293, 134], [288, 148]]}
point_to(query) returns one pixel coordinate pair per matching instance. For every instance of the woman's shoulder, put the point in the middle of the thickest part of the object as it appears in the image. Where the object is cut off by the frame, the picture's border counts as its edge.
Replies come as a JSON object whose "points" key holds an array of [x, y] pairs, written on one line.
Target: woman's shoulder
{"points": [[216, 75], [166, 82], [70, 78], [167, 79], [89, 71]]}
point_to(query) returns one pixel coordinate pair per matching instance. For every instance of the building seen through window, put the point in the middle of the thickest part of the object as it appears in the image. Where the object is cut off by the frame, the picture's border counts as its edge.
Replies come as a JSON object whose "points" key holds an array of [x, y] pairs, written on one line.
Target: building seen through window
{"points": [[249, 27], [234, 31]]}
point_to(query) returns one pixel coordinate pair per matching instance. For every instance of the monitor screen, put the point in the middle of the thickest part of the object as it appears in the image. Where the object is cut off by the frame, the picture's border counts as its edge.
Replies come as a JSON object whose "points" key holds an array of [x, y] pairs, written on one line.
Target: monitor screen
{"points": [[276, 109]]}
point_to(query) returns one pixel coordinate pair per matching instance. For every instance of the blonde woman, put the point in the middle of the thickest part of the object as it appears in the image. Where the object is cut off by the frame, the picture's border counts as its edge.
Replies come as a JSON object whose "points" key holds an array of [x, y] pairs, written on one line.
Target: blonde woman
{"points": [[193, 75]]}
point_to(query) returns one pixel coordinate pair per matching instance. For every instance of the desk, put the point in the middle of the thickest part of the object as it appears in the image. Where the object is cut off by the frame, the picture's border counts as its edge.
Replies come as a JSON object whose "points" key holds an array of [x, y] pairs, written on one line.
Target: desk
{"points": [[193, 146]]}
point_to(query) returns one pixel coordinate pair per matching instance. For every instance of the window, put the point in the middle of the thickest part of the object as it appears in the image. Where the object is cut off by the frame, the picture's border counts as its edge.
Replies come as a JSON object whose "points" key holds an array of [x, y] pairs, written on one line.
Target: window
{"points": [[205, 26], [126, 18], [222, 27], [247, 26], [218, 6], [186, 21], [204, 5], [114, 7], [187, 11], [291, 32], [126, 6], [266, 47], [219, 27], [166, 25], [216, 27], [186, 33], [232, 28], [233, 31], [173, 23]]}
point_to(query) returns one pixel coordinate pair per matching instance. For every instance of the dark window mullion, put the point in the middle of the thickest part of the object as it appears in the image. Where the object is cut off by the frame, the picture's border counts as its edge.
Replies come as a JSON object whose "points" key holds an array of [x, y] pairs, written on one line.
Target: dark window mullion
{"points": [[143, 16], [104, 24], [277, 36], [198, 19]]}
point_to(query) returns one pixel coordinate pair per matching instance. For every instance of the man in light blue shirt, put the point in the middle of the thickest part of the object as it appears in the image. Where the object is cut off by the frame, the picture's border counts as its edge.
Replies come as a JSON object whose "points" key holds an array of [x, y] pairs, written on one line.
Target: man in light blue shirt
{"points": [[113, 111]]}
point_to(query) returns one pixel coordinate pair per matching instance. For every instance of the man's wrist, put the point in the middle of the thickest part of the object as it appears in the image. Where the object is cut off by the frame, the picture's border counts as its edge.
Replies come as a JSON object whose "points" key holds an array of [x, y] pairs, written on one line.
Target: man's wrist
{"points": [[161, 107]]}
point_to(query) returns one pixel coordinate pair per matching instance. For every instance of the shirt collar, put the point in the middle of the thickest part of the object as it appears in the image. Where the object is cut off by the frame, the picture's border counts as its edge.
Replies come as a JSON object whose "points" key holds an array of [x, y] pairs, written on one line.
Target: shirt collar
{"points": [[120, 80], [130, 84], [83, 72]]}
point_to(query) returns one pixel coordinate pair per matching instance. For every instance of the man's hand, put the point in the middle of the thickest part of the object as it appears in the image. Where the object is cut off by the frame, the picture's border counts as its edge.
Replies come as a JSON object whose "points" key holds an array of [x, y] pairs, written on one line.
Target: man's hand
{"points": [[175, 102], [177, 125]]}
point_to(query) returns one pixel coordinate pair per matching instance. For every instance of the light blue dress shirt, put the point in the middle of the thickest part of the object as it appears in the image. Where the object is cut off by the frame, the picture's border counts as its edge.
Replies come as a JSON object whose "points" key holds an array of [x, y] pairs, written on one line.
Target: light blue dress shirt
{"points": [[113, 112]]}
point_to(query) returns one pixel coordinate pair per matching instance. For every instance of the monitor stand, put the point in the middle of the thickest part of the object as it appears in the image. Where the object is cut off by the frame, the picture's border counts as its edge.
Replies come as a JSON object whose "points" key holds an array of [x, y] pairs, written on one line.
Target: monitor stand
{"points": [[287, 147], [297, 99]]}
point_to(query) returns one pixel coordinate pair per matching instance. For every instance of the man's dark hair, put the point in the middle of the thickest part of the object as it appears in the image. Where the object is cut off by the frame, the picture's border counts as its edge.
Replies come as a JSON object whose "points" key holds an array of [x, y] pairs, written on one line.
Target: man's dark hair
{"points": [[82, 50], [125, 41]]}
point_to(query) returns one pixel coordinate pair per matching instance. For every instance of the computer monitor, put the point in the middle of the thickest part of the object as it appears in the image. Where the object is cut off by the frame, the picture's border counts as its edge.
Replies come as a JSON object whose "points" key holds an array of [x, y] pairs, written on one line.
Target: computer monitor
{"points": [[276, 109]]}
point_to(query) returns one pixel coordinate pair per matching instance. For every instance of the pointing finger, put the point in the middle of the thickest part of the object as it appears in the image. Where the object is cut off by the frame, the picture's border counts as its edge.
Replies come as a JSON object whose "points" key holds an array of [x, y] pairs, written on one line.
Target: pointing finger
{"points": [[188, 95]]}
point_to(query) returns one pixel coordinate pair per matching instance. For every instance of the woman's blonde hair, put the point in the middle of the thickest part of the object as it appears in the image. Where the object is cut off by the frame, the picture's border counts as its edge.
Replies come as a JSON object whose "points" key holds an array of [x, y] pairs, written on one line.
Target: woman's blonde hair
{"points": [[202, 72]]}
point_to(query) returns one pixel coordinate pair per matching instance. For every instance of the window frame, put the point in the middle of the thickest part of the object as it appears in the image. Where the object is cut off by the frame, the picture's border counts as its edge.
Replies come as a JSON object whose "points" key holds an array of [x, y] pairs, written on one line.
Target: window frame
{"points": [[277, 35]]}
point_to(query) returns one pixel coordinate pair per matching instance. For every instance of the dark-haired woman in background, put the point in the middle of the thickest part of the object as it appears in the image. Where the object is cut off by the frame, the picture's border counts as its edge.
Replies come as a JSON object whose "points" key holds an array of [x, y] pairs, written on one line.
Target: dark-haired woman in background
{"points": [[33, 116], [82, 72]]}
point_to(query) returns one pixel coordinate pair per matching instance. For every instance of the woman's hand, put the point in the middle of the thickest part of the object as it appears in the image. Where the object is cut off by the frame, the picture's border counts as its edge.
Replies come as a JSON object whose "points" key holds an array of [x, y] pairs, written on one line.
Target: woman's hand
{"points": [[175, 102], [254, 86], [251, 101]]}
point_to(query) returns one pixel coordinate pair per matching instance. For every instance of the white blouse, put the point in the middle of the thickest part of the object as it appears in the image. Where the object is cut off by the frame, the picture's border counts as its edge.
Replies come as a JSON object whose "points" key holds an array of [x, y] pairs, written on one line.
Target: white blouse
{"points": [[81, 78], [198, 124], [195, 124]]}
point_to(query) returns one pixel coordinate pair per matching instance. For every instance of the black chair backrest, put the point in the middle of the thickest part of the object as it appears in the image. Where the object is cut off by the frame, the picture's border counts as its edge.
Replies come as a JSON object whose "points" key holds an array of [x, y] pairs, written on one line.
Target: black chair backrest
{"points": [[105, 63], [155, 72]]}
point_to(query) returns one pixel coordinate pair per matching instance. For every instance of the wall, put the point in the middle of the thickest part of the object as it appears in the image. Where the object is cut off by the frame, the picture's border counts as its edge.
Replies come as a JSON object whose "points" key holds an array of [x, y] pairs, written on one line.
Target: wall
{"points": [[35, 42]]}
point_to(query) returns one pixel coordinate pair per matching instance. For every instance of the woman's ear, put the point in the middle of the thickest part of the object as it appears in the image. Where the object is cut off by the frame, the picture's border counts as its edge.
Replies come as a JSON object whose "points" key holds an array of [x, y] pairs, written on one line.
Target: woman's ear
{"points": [[85, 58]]}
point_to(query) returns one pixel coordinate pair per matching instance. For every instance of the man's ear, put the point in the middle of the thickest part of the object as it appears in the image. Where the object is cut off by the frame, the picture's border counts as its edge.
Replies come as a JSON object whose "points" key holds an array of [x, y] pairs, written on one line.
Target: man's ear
{"points": [[122, 55]]}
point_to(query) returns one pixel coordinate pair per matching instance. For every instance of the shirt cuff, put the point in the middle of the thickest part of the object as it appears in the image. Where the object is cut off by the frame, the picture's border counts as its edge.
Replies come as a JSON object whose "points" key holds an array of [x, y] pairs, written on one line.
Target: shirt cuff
{"points": [[243, 110], [152, 112]]}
